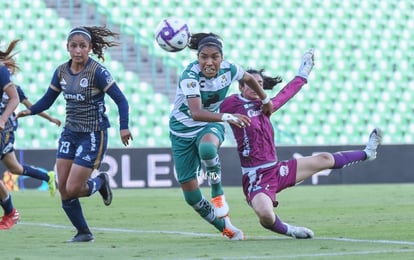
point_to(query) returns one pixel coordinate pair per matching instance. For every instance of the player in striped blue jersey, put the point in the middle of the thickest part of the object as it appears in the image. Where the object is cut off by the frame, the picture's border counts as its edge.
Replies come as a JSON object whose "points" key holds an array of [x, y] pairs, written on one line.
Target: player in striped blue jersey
{"points": [[11, 216], [83, 81], [7, 155], [197, 130]]}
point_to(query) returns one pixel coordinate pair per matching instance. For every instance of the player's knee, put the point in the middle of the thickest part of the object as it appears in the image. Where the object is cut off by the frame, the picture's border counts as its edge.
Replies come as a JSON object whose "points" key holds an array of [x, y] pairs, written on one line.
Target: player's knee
{"points": [[266, 219], [207, 151], [325, 159], [73, 191]]}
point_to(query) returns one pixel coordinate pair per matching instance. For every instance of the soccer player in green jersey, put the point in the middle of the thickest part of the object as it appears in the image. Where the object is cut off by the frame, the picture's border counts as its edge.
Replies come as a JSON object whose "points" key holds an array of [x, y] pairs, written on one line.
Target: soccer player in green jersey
{"points": [[197, 130]]}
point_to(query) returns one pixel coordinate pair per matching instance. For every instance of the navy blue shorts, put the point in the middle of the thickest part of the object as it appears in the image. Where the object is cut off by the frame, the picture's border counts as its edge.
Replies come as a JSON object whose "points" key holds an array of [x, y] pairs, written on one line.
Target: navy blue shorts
{"points": [[84, 148], [6, 143]]}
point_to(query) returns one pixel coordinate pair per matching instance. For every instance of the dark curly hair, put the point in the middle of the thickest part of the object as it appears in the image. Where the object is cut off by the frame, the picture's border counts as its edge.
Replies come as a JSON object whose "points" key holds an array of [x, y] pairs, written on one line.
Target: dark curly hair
{"points": [[7, 57], [268, 82], [99, 35]]}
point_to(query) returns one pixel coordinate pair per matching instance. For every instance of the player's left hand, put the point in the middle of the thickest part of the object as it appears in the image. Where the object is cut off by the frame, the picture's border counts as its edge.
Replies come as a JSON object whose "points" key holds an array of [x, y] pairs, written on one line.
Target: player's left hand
{"points": [[126, 136]]}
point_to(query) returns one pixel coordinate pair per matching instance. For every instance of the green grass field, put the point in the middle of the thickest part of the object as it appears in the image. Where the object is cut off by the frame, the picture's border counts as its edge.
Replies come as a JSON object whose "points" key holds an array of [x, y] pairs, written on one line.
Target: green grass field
{"points": [[349, 221]]}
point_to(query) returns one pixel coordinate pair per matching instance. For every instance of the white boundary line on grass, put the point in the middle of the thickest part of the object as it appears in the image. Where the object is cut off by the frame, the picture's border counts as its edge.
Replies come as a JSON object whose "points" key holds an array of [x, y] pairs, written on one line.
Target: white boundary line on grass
{"points": [[194, 234]]}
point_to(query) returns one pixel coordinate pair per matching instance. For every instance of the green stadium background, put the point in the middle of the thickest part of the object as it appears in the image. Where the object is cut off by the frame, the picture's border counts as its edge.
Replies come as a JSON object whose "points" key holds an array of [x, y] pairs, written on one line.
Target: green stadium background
{"points": [[362, 77]]}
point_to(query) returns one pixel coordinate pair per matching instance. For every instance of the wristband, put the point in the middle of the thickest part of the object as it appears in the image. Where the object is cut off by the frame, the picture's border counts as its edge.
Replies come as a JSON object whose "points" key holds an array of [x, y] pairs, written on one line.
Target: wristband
{"points": [[265, 100], [226, 117]]}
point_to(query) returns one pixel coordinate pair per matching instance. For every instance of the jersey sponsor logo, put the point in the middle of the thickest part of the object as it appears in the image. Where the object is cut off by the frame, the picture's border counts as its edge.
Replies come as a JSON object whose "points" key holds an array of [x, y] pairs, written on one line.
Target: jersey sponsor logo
{"points": [[78, 97], [109, 79], [284, 170], [84, 82], [223, 80], [253, 113], [93, 142], [191, 84]]}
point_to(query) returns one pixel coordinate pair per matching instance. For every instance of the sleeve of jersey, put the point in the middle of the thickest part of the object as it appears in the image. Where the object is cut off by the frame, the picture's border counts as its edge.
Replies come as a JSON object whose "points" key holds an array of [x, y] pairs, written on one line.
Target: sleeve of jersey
{"points": [[237, 71], [190, 87], [4, 77], [120, 100], [21, 93], [103, 79], [45, 102], [288, 92]]}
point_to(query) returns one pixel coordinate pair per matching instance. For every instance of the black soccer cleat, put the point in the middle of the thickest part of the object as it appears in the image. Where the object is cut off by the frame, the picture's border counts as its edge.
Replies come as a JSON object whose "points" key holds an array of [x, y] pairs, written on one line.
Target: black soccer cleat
{"points": [[82, 237], [105, 190]]}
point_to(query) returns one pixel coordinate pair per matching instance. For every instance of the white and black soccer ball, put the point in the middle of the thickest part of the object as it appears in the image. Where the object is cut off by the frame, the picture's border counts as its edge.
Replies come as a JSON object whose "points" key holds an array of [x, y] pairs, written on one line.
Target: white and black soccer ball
{"points": [[172, 34]]}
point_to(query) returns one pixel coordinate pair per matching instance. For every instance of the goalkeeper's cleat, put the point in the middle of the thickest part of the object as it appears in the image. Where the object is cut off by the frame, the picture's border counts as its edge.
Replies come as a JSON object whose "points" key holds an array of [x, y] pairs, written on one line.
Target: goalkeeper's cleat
{"points": [[307, 64], [299, 232], [231, 231], [375, 139], [105, 190], [8, 221], [221, 208], [52, 183], [82, 237]]}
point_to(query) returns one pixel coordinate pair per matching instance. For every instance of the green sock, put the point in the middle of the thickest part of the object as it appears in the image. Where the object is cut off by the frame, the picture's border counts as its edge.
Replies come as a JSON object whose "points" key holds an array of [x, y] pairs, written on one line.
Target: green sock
{"points": [[203, 207], [214, 172], [216, 189]]}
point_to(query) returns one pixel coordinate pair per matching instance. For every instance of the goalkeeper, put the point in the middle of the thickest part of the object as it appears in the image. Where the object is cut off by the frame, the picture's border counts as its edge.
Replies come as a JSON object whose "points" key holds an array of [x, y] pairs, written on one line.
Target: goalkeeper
{"points": [[263, 174]]}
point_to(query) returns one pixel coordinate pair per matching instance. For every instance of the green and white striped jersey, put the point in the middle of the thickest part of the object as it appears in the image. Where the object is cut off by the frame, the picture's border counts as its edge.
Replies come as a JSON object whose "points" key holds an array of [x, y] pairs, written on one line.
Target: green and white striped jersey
{"points": [[212, 92]]}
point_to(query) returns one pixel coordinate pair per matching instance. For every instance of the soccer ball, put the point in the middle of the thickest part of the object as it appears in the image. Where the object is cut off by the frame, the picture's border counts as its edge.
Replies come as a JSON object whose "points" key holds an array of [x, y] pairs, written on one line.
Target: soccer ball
{"points": [[172, 34]]}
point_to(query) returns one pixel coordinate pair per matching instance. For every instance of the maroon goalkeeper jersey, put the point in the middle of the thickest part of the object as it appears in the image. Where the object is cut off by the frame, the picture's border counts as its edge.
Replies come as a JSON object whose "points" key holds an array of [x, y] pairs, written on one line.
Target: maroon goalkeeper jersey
{"points": [[255, 143]]}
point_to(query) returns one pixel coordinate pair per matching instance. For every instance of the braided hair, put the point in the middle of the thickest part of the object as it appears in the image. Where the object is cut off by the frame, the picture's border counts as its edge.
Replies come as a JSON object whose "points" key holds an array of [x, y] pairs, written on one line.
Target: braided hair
{"points": [[6, 57], [97, 35], [268, 82]]}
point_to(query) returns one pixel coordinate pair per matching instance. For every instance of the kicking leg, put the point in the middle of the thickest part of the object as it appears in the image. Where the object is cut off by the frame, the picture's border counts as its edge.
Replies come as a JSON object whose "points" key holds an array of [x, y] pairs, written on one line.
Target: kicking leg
{"points": [[263, 206]]}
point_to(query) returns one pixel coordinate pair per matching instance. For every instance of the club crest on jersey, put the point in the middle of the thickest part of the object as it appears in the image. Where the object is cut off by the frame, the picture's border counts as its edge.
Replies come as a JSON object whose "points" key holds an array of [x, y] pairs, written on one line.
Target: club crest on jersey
{"points": [[284, 170], [63, 83], [83, 82]]}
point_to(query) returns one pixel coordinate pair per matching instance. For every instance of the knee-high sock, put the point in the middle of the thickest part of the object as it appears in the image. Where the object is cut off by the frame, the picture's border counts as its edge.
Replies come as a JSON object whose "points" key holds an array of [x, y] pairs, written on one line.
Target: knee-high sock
{"points": [[203, 207], [73, 210], [278, 226], [346, 158], [37, 173], [94, 184], [208, 153], [7, 205]]}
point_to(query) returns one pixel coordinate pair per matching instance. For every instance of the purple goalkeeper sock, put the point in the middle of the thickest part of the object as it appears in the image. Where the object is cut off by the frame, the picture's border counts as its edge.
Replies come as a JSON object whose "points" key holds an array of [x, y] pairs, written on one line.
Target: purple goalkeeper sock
{"points": [[345, 158], [278, 226]]}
